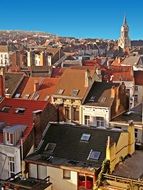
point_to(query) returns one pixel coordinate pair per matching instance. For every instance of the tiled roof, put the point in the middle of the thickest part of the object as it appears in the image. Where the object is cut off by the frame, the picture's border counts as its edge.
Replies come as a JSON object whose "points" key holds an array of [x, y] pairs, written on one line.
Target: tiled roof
{"points": [[131, 60], [52, 50], [70, 149], [46, 87], [100, 94], [122, 73], [22, 85], [3, 48], [26, 118], [12, 80], [70, 80], [57, 72], [138, 75]]}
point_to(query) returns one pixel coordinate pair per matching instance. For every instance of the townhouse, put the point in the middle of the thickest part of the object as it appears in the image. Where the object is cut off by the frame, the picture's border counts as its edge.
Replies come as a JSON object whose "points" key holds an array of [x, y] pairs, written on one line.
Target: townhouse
{"points": [[21, 126], [138, 97], [71, 90], [73, 155], [103, 102]]}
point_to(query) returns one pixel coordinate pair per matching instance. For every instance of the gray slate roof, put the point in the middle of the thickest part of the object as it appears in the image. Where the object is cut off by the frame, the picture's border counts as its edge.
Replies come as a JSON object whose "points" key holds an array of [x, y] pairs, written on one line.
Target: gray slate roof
{"points": [[70, 150], [100, 94]]}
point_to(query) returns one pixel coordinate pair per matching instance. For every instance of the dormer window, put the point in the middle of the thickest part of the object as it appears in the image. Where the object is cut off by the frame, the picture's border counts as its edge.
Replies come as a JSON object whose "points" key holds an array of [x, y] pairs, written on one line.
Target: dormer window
{"points": [[26, 96], [60, 91], [75, 92], [19, 110], [5, 109]]}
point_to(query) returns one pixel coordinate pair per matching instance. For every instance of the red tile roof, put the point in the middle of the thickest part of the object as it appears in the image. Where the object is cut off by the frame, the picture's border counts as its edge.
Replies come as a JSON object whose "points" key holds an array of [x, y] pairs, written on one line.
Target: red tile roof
{"points": [[46, 87], [26, 118], [122, 73], [70, 80], [57, 72], [138, 75]]}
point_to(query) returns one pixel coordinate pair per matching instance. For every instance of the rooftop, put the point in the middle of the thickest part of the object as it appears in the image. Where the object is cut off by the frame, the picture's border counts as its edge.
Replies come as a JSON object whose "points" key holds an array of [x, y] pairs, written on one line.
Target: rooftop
{"points": [[132, 167], [73, 146]]}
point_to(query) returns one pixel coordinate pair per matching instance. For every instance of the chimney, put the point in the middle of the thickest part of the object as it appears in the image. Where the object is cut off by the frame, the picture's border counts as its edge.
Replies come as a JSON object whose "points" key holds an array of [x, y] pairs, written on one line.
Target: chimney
{"points": [[2, 89], [36, 86], [87, 78], [113, 92], [2, 82]]}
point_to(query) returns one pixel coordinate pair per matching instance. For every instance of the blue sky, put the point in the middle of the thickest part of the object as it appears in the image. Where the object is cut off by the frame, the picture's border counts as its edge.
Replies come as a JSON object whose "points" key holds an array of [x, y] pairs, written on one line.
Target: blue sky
{"points": [[77, 18]]}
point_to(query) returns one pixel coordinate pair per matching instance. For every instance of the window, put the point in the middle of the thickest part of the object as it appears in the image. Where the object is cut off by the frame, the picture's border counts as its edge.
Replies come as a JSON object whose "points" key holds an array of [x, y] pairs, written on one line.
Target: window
{"points": [[92, 99], [75, 114], [86, 119], [136, 98], [10, 138], [103, 99], [136, 133], [36, 97], [85, 137], [60, 91], [67, 112], [66, 174], [50, 147], [100, 121], [5, 109], [136, 88], [11, 166], [17, 95], [26, 96], [75, 92], [94, 155], [20, 110], [85, 182]]}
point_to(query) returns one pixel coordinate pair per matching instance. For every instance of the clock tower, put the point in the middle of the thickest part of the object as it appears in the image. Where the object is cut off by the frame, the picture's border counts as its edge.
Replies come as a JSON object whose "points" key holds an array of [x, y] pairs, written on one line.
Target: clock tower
{"points": [[124, 41]]}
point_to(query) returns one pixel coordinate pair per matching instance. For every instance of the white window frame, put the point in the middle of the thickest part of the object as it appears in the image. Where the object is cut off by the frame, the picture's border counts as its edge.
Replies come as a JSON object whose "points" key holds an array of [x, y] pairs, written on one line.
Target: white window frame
{"points": [[100, 122], [11, 163]]}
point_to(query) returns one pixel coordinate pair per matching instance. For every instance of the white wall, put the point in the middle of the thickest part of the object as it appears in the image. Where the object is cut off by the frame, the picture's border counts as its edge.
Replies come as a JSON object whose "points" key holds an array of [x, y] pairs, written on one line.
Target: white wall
{"points": [[56, 177], [95, 112], [9, 151], [4, 58]]}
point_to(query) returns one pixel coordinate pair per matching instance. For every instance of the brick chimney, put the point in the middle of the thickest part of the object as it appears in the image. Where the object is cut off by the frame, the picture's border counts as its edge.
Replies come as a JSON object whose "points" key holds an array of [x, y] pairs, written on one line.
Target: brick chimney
{"points": [[36, 86], [87, 78], [113, 91], [2, 82]]}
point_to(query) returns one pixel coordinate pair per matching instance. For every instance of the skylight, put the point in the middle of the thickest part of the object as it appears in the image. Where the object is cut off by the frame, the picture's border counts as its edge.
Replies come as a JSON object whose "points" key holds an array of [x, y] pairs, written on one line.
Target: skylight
{"points": [[50, 147], [94, 155], [60, 91], [75, 92], [17, 95], [103, 99], [92, 99], [19, 110], [85, 137], [5, 109]]}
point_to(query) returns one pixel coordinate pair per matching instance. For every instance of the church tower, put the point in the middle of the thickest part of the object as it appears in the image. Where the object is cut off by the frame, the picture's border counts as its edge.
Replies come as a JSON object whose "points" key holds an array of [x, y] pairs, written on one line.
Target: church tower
{"points": [[124, 41]]}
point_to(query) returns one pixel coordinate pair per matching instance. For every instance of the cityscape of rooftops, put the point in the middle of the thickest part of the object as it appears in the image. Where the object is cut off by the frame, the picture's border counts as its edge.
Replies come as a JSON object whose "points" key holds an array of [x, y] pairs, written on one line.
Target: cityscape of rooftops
{"points": [[71, 95]]}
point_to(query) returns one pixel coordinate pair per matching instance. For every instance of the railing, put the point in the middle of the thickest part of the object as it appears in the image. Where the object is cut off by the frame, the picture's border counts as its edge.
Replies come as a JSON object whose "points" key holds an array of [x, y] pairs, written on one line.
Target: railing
{"points": [[124, 180]]}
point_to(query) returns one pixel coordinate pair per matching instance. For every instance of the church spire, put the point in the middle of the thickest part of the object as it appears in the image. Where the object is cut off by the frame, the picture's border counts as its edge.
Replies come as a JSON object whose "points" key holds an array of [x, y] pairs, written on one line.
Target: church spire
{"points": [[124, 41], [125, 21]]}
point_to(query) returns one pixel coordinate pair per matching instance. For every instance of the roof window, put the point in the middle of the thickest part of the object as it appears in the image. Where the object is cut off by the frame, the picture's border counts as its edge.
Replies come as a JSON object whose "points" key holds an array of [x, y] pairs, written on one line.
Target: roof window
{"points": [[85, 137]]}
